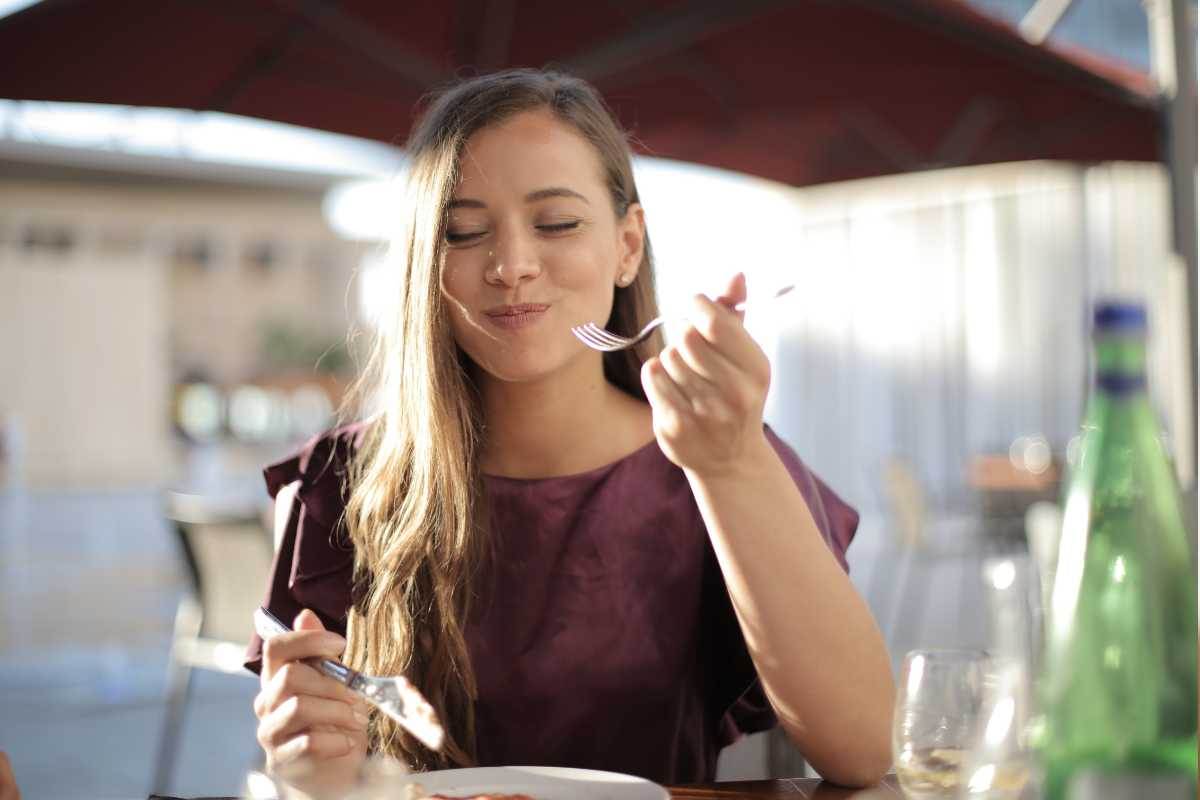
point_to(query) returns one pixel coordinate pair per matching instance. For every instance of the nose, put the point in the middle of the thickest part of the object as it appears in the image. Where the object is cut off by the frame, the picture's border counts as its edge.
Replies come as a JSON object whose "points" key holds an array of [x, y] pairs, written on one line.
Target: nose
{"points": [[514, 259]]}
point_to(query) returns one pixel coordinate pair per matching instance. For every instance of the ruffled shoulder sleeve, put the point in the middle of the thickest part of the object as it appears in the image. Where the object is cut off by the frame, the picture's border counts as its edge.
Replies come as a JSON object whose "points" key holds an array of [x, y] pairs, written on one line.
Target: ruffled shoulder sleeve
{"points": [[314, 564], [737, 692]]}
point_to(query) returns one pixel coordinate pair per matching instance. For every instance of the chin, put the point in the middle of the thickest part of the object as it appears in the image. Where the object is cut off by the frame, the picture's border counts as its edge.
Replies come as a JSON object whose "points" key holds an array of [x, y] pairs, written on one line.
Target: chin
{"points": [[518, 368]]}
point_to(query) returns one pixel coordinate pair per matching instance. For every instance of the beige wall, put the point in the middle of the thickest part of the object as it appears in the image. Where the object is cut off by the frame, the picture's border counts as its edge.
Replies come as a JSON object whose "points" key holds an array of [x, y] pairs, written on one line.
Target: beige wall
{"points": [[93, 335], [84, 365]]}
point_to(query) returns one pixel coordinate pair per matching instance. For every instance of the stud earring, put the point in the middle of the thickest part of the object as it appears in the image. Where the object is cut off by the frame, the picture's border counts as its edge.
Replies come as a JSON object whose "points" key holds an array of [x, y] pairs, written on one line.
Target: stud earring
{"points": [[624, 280]]}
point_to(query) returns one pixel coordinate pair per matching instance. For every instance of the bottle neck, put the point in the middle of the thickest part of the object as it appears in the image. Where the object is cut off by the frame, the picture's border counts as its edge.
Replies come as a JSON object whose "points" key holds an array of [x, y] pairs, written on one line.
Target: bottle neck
{"points": [[1120, 363]]}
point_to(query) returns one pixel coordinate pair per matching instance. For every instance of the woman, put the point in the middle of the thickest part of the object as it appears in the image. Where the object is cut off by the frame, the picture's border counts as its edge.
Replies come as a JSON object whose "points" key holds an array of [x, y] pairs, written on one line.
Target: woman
{"points": [[586, 560]]}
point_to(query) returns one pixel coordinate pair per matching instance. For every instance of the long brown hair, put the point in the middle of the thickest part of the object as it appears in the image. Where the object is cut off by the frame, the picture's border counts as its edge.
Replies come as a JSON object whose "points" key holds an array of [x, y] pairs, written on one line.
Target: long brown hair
{"points": [[416, 511]]}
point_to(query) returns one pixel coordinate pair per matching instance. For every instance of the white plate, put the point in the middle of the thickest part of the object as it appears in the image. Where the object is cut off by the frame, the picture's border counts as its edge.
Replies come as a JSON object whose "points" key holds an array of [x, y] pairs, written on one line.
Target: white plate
{"points": [[540, 783]]}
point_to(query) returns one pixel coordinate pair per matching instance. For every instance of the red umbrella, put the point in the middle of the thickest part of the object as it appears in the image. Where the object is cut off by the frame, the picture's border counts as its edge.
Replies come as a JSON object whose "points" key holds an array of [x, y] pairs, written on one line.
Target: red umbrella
{"points": [[800, 91]]}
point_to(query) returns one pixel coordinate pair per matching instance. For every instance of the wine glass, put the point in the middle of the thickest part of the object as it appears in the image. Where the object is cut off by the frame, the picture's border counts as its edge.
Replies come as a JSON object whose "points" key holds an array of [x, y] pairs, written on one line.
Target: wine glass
{"points": [[963, 718], [939, 708], [1001, 763]]}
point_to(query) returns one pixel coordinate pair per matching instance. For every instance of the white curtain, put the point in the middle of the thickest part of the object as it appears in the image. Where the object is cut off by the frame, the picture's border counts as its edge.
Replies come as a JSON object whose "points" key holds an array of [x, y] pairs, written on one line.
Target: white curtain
{"points": [[942, 316], [937, 316]]}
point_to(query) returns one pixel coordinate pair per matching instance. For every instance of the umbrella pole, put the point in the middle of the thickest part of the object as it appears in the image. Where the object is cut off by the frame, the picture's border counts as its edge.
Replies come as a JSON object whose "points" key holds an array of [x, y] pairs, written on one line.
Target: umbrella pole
{"points": [[1181, 162], [1173, 64]]}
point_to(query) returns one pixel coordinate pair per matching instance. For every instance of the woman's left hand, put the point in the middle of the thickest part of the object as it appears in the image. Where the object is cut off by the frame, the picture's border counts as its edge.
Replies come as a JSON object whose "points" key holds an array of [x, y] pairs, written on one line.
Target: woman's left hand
{"points": [[707, 390]]}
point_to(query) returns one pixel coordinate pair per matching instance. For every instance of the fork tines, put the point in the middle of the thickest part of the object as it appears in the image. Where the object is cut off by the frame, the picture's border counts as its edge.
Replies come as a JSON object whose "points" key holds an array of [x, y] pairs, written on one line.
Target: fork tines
{"points": [[597, 338]]}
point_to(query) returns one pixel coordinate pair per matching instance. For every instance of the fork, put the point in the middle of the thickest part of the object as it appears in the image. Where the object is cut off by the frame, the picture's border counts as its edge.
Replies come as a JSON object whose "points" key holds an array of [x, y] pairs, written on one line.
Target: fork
{"points": [[605, 341], [394, 696]]}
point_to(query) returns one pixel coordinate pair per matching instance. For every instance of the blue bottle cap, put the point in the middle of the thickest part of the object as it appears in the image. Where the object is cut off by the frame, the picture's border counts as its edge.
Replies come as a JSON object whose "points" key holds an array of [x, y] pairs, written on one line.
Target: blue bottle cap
{"points": [[1113, 316]]}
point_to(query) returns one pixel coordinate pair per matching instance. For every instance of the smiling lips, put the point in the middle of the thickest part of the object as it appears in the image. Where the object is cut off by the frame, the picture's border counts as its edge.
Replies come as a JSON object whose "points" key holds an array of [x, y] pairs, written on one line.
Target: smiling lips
{"points": [[518, 316]]}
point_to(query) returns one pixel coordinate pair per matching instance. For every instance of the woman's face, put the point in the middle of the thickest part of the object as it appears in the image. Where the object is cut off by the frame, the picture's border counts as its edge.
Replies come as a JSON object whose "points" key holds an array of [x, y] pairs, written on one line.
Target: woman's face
{"points": [[533, 247]]}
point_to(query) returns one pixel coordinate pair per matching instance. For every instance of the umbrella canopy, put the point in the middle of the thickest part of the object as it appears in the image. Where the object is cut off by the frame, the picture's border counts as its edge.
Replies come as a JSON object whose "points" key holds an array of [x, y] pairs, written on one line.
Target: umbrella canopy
{"points": [[800, 91]]}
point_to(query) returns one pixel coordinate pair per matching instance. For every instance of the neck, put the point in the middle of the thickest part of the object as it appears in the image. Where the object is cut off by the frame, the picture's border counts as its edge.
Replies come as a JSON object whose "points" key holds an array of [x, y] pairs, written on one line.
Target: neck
{"points": [[559, 425]]}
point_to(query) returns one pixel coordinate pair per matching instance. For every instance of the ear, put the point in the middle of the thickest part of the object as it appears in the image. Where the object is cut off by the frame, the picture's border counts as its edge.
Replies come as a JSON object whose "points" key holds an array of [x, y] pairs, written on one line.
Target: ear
{"points": [[631, 242]]}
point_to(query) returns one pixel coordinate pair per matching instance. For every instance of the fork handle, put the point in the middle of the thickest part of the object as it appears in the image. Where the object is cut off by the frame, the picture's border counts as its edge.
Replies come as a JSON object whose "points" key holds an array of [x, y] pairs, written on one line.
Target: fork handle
{"points": [[334, 669], [268, 626], [780, 292]]}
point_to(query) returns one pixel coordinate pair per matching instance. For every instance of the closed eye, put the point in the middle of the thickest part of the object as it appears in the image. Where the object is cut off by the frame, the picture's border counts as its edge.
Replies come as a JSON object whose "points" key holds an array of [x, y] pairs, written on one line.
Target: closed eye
{"points": [[559, 227], [460, 238]]}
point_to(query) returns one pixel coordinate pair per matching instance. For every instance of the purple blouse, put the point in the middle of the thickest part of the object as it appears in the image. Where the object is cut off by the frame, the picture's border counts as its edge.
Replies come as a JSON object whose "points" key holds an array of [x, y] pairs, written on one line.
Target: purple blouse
{"points": [[609, 641]]}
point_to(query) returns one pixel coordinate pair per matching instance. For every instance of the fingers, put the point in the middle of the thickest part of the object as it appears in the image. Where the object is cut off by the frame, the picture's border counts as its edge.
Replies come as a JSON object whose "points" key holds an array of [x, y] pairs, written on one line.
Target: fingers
{"points": [[299, 715], [315, 746], [304, 716], [735, 292], [299, 645], [664, 395], [297, 679], [703, 359], [723, 331], [701, 380], [702, 396], [306, 620]]}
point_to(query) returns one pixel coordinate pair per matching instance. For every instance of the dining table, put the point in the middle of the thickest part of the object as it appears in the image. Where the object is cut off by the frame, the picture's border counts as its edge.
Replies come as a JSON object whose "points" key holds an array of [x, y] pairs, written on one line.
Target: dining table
{"points": [[775, 788], [795, 788]]}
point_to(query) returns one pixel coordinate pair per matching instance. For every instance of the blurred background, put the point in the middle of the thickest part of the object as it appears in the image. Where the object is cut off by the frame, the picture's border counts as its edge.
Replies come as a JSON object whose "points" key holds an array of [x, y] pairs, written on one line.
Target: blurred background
{"points": [[194, 204]]}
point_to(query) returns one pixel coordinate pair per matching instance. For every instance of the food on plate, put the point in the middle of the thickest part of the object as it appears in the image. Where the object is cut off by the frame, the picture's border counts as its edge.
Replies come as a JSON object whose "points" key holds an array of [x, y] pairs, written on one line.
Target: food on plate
{"points": [[415, 791]]}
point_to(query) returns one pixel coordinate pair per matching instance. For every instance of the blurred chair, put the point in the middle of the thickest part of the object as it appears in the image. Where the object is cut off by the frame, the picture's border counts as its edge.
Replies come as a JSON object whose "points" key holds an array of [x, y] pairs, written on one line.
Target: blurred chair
{"points": [[918, 542], [227, 554], [784, 760], [906, 500]]}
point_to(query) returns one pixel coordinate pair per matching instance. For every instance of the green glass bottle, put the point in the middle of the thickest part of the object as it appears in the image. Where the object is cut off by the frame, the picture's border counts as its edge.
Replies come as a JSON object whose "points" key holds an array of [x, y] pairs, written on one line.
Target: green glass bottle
{"points": [[1118, 679]]}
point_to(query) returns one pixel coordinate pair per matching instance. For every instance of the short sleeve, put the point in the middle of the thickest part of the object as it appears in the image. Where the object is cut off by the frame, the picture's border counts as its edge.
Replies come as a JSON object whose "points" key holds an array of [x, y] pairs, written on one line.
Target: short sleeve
{"points": [[737, 693], [314, 564]]}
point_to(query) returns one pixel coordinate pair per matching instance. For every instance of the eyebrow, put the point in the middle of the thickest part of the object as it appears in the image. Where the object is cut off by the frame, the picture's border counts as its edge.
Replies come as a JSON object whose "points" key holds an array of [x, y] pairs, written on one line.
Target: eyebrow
{"points": [[532, 197]]}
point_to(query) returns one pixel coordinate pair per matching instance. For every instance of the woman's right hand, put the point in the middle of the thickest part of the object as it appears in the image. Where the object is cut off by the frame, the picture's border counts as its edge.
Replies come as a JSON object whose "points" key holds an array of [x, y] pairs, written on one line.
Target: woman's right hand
{"points": [[8, 783], [312, 728]]}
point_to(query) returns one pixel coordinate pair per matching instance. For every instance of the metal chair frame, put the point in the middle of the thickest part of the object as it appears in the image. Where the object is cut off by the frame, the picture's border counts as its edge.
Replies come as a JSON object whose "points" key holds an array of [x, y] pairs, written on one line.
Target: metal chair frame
{"points": [[191, 647]]}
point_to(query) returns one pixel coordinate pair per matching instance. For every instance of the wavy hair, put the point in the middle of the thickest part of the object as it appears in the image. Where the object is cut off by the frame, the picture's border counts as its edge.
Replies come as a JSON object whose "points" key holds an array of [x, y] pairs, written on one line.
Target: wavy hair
{"points": [[416, 511]]}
